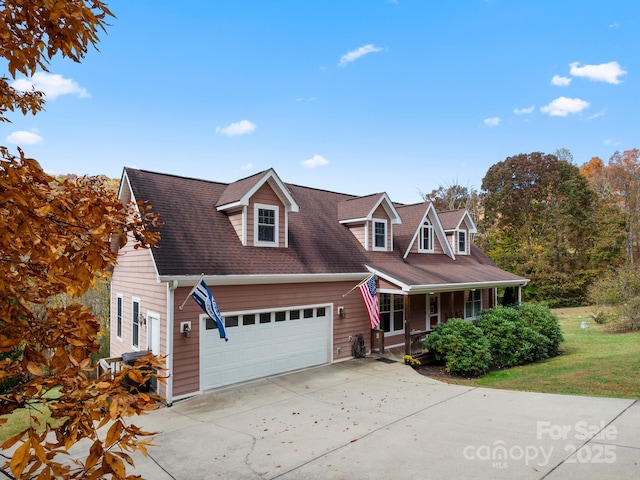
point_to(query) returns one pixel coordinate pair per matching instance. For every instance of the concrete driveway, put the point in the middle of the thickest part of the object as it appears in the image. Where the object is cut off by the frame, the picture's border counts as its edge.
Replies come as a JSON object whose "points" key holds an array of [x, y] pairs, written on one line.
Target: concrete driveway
{"points": [[366, 419]]}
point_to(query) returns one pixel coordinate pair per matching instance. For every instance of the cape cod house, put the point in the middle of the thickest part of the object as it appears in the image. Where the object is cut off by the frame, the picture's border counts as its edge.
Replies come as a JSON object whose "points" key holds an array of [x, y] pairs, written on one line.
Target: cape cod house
{"points": [[280, 260]]}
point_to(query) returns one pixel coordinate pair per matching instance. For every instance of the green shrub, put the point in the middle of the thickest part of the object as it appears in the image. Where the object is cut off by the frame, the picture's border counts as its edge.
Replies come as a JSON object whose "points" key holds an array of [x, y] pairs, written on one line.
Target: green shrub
{"points": [[540, 318], [462, 346], [511, 341]]}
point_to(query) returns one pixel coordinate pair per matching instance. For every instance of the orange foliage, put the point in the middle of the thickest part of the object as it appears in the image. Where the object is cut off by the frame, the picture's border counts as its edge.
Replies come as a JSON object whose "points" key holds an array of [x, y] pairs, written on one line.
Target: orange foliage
{"points": [[57, 238], [32, 32]]}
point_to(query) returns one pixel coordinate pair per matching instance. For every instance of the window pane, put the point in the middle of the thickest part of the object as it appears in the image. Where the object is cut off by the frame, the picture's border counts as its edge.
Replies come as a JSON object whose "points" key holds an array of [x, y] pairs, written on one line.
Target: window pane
{"points": [[380, 234], [294, 314], [266, 233], [398, 320], [385, 321], [281, 316], [308, 312], [321, 312], [385, 302], [231, 321], [265, 317], [248, 319], [210, 324], [119, 319], [462, 242], [135, 341], [266, 216], [398, 302]]}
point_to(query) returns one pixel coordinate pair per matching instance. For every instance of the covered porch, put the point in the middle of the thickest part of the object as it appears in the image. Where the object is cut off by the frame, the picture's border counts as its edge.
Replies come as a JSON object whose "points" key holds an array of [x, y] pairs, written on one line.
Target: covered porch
{"points": [[408, 317]]}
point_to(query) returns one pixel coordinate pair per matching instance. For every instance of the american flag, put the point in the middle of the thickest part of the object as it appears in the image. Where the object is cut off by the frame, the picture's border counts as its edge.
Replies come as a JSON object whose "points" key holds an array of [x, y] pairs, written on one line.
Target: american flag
{"points": [[203, 297], [370, 297]]}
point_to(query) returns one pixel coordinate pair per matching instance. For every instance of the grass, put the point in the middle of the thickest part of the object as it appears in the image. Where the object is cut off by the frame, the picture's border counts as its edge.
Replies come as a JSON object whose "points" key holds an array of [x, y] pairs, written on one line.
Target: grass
{"points": [[593, 362], [20, 419]]}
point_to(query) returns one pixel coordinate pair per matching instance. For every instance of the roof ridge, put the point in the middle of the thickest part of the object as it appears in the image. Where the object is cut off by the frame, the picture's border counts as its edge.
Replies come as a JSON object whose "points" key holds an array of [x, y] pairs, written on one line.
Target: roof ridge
{"points": [[174, 175]]}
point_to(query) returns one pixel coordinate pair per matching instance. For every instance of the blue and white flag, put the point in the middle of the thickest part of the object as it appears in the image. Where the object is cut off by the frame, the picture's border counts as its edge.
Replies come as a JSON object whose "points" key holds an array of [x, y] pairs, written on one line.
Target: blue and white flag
{"points": [[202, 295]]}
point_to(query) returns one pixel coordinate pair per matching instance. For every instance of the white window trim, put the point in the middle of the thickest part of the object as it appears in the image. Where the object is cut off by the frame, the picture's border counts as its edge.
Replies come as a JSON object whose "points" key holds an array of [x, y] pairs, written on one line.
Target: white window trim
{"points": [[391, 314], [373, 234], [276, 209], [429, 225], [466, 241], [133, 301], [121, 315]]}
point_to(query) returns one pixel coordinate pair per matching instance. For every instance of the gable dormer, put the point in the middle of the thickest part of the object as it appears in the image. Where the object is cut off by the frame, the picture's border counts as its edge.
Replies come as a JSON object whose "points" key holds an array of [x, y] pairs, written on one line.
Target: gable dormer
{"points": [[459, 226], [258, 207], [370, 219], [422, 232]]}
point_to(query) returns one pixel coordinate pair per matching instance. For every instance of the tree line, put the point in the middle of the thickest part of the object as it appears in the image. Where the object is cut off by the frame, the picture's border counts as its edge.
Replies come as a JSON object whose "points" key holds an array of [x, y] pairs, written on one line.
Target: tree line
{"points": [[561, 225]]}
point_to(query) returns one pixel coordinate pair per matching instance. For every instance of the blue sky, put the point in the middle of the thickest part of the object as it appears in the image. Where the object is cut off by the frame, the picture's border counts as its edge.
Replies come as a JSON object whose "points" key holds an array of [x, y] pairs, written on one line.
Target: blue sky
{"points": [[350, 96]]}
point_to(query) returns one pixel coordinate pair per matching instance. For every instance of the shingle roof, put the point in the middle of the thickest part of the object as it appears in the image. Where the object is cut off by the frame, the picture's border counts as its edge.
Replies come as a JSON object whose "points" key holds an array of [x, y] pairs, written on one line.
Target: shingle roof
{"points": [[451, 219], [196, 238], [357, 207], [236, 190]]}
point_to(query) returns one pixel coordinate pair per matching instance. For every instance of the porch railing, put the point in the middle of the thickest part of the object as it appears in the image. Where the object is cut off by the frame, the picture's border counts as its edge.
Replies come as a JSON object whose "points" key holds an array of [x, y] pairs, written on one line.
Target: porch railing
{"points": [[416, 338], [112, 364]]}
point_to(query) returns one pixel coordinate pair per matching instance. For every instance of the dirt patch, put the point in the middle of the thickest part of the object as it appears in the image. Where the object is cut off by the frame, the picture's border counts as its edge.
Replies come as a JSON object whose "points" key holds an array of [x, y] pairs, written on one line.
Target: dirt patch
{"points": [[438, 371]]}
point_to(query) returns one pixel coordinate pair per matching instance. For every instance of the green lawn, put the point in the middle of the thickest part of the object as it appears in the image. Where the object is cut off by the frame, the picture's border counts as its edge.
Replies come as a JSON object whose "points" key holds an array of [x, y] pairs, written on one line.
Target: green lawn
{"points": [[20, 419], [593, 362]]}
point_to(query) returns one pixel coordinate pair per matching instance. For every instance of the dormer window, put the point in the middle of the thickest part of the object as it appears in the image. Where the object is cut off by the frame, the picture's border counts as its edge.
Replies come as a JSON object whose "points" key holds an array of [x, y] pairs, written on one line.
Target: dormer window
{"points": [[462, 242], [266, 226], [379, 235], [426, 237]]}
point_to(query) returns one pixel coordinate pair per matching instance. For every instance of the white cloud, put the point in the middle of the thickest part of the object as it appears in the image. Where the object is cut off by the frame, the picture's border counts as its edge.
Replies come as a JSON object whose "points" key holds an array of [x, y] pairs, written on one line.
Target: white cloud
{"points": [[605, 72], [563, 106], [596, 115], [610, 141], [492, 122], [52, 85], [22, 137], [237, 128], [248, 166], [315, 161], [353, 55], [559, 81], [305, 99], [524, 111]]}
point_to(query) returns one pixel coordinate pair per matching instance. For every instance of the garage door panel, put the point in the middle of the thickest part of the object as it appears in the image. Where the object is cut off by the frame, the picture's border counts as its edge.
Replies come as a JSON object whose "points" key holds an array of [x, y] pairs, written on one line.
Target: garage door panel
{"points": [[264, 349]]}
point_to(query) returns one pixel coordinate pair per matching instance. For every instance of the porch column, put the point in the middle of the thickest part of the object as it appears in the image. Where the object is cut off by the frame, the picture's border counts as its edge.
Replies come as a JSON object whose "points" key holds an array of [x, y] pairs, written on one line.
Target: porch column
{"points": [[519, 294], [407, 325]]}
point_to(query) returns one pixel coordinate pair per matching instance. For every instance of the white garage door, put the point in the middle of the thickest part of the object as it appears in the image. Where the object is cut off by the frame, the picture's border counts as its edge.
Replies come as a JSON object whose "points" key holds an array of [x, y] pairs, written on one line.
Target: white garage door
{"points": [[264, 343]]}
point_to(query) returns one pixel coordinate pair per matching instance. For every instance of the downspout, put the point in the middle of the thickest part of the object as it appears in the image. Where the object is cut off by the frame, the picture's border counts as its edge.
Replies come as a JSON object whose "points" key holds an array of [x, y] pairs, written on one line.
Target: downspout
{"points": [[171, 286]]}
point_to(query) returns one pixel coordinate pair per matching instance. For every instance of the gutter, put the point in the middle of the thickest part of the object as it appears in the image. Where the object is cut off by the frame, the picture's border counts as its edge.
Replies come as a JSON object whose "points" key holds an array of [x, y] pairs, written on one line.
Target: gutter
{"points": [[190, 280]]}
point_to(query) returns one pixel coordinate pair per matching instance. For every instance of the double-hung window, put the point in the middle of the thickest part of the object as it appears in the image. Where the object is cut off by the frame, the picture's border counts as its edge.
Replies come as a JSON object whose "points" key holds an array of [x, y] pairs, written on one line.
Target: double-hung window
{"points": [[391, 313], [135, 324], [426, 237], [462, 242], [119, 316], [266, 225], [472, 303], [379, 235]]}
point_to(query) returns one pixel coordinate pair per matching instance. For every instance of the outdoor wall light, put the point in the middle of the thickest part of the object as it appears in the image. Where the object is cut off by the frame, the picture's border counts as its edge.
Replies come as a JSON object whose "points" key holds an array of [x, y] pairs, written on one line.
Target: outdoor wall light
{"points": [[186, 331], [341, 312]]}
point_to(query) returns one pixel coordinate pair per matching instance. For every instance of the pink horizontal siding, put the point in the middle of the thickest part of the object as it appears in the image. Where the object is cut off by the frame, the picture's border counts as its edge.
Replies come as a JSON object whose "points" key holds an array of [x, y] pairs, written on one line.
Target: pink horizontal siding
{"points": [[135, 277], [247, 298]]}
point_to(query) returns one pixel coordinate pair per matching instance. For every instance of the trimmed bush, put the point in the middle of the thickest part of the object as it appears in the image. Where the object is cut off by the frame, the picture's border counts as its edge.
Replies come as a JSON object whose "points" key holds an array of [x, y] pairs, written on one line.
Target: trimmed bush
{"points": [[521, 334], [462, 346], [511, 341], [541, 319]]}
